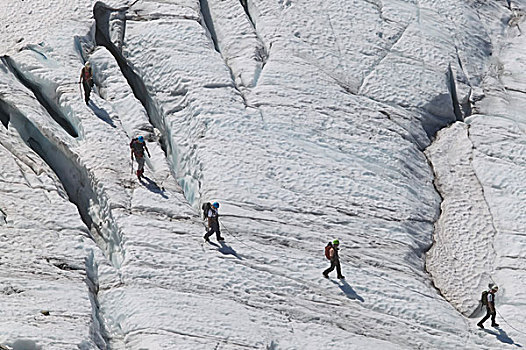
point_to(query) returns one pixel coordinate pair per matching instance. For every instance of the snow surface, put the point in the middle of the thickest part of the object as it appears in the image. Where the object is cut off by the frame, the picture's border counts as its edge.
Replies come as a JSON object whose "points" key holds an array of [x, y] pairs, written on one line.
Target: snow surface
{"points": [[308, 121]]}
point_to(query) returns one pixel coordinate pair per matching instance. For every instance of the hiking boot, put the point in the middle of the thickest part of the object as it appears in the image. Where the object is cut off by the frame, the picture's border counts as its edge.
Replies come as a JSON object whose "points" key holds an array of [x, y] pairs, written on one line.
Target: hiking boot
{"points": [[325, 275], [220, 239], [494, 325], [206, 239], [341, 277], [480, 325]]}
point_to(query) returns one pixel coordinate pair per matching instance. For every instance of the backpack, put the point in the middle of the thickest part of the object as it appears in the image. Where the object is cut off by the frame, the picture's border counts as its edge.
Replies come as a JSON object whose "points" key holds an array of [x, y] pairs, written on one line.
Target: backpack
{"points": [[206, 207], [87, 74], [137, 147], [484, 297], [328, 250]]}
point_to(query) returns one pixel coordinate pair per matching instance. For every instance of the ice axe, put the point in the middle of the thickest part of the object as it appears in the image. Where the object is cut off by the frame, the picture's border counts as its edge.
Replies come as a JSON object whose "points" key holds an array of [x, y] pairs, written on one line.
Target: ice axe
{"points": [[80, 90]]}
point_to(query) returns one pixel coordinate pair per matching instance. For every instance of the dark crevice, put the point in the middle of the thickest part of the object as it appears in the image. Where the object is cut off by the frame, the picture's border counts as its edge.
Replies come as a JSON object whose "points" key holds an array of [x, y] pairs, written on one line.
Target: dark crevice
{"points": [[261, 53], [507, 88], [98, 331], [102, 14], [50, 106], [453, 92], [78, 186], [10, 290], [209, 26], [208, 23], [138, 17], [4, 117], [244, 3], [466, 104], [74, 178], [3, 215]]}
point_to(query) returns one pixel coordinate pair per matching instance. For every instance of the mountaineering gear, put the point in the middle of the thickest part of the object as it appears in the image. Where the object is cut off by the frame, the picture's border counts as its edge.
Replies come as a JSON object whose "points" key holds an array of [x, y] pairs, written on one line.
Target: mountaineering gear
{"points": [[215, 205], [206, 207], [328, 251], [484, 298], [331, 252], [489, 297], [137, 149], [213, 222], [86, 78]]}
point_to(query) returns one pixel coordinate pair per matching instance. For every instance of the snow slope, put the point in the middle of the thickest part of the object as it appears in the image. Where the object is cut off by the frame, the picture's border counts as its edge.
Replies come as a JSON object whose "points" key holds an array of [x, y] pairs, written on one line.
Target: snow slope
{"points": [[307, 121], [485, 155]]}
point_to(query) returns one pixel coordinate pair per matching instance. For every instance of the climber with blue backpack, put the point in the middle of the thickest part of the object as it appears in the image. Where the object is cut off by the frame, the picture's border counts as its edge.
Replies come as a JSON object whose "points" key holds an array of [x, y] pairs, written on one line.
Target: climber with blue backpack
{"points": [[210, 211], [138, 146], [331, 253]]}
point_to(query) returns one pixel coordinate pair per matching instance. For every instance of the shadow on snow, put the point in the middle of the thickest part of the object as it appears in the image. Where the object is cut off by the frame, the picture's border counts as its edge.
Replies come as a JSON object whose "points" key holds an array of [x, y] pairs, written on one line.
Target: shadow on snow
{"points": [[225, 249], [153, 187], [347, 289], [101, 113], [502, 336]]}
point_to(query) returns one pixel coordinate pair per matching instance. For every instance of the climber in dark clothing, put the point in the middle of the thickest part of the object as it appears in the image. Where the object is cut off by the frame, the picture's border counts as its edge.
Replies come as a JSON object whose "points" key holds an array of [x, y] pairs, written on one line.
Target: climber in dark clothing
{"points": [[490, 307], [138, 146], [213, 223], [332, 254], [86, 78]]}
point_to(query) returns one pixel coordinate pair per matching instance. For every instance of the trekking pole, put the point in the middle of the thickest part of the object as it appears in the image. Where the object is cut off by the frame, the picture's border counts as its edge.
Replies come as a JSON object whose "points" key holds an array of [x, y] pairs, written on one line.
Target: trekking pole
{"points": [[80, 90]]}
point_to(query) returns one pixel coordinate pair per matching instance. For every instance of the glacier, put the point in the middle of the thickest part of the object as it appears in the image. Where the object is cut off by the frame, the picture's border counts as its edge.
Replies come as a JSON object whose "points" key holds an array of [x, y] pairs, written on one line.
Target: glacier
{"points": [[395, 126]]}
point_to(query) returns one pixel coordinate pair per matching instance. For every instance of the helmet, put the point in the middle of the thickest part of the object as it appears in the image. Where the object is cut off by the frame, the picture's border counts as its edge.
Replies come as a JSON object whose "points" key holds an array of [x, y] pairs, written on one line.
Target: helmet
{"points": [[87, 64], [215, 205], [140, 138], [335, 242], [495, 287]]}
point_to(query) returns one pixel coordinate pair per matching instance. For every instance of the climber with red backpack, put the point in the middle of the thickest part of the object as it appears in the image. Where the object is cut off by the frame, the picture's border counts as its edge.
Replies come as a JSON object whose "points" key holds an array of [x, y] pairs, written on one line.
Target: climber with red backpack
{"points": [[86, 78], [331, 253]]}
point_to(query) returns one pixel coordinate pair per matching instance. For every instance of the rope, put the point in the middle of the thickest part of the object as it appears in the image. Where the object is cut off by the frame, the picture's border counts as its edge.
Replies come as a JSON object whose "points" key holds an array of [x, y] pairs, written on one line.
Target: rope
{"points": [[400, 285], [502, 317], [251, 247], [347, 261], [369, 272]]}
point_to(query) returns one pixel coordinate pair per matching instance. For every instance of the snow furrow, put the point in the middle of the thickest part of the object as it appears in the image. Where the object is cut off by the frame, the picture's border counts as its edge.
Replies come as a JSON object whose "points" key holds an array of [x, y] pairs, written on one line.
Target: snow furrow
{"points": [[235, 38], [74, 177], [48, 103], [71, 176], [155, 114], [103, 34], [453, 92]]}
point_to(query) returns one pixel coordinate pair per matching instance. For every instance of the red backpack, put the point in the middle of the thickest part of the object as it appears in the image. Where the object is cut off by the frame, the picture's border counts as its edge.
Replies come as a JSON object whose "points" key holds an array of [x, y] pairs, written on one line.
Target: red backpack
{"points": [[328, 251]]}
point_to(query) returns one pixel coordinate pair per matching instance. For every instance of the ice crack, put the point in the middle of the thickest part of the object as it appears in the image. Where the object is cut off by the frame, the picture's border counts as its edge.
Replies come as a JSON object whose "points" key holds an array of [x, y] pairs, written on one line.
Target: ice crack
{"points": [[49, 105]]}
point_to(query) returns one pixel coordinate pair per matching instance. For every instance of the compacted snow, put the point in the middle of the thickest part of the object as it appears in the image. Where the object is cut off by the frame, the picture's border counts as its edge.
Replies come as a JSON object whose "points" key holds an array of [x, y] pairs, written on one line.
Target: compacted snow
{"points": [[308, 121]]}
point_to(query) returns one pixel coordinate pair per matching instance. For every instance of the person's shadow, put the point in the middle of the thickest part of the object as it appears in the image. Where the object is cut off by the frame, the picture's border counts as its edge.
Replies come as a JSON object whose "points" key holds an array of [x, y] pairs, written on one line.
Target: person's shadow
{"points": [[225, 249], [152, 186], [502, 336], [101, 113], [347, 289]]}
